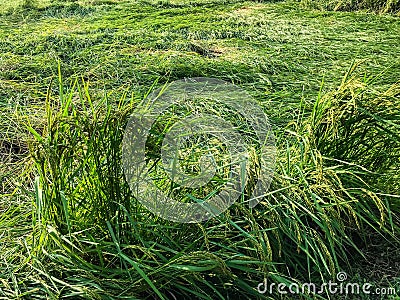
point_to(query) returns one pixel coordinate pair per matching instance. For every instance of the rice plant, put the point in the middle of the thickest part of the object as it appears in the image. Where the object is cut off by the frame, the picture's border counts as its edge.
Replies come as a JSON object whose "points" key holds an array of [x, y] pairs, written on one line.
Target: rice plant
{"points": [[93, 240], [70, 226]]}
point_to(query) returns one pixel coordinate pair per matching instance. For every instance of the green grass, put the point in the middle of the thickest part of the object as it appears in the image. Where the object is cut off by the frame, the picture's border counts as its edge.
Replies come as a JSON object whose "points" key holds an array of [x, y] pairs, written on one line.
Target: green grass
{"points": [[382, 6], [70, 75]]}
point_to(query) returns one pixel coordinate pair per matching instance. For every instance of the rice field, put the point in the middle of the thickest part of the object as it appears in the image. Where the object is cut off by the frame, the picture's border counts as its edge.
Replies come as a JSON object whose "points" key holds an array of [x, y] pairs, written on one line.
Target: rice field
{"points": [[326, 75]]}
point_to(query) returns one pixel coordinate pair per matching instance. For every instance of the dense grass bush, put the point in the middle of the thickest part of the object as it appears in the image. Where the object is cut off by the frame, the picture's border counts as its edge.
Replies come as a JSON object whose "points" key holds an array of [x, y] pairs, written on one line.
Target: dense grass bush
{"points": [[337, 162], [351, 5]]}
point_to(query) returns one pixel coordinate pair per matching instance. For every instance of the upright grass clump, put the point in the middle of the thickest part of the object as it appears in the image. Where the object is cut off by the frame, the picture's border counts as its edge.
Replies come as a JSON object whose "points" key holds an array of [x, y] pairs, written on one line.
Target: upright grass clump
{"points": [[78, 160], [89, 220], [360, 126], [331, 183], [337, 176]]}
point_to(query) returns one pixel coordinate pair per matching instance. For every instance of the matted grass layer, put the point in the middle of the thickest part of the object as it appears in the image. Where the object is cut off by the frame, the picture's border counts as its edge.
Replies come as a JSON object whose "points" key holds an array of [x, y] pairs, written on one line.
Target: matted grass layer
{"points": [[382, 6]]}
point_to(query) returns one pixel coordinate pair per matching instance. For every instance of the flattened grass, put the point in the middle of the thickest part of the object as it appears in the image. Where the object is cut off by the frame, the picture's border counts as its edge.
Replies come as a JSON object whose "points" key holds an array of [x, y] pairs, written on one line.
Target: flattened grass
{"points": [[382, 6]]}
